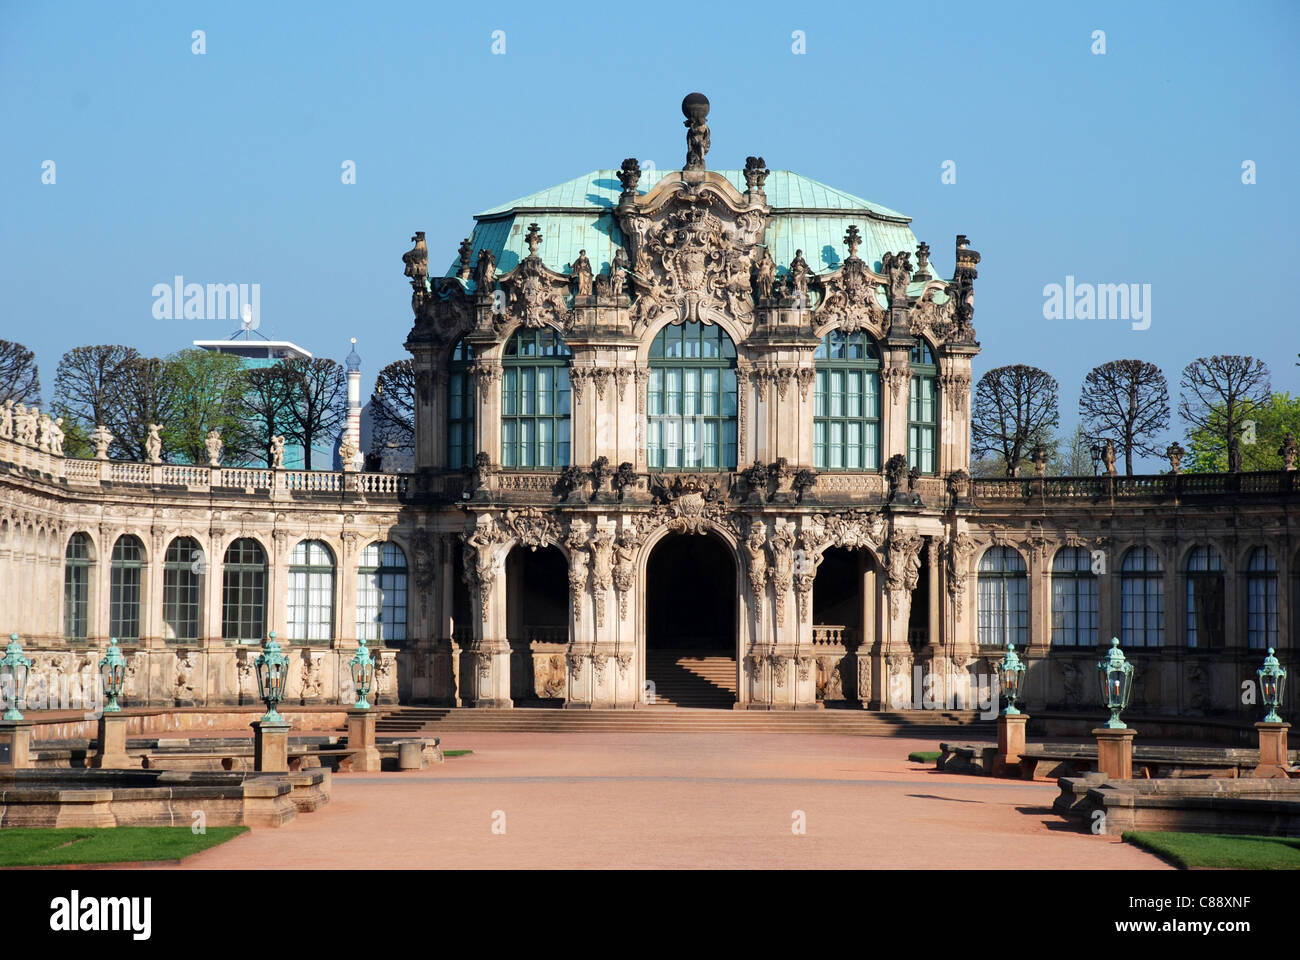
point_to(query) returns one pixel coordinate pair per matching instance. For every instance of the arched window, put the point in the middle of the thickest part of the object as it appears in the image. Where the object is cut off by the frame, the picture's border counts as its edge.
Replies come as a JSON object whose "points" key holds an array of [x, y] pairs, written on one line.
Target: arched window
{"points": [[381, 594], [923, 410], [183, 568], [1074, 598], [460, 407], [535, 400], [76, 587], [1003, 598], [243, 592], [125, 579], [1204, 573], [691, 401], [311, 592], [1142, 599], [846, 403], [1261, 599]]}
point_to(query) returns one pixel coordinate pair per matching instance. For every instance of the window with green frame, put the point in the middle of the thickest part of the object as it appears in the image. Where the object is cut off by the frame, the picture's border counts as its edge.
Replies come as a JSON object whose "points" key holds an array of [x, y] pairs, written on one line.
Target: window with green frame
{"points": [[460, 407], [76, 587], [846, 403], [535, 401], [126, 580], [183, 567], [243, 591], [923, 410], [691, 399]]}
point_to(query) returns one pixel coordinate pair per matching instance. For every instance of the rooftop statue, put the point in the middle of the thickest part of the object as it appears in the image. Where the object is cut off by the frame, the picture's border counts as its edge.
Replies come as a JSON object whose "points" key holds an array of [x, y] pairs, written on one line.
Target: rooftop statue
{"points": [[696, 108]]}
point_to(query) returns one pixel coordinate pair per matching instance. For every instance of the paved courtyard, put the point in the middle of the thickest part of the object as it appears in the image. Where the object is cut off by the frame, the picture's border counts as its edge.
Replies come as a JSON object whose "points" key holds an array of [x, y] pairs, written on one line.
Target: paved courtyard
{"points": [[678, 800]]}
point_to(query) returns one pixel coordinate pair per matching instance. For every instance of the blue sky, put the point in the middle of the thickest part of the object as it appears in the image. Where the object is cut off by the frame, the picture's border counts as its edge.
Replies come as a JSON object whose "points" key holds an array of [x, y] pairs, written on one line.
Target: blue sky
{"points": [[1117, 168]]}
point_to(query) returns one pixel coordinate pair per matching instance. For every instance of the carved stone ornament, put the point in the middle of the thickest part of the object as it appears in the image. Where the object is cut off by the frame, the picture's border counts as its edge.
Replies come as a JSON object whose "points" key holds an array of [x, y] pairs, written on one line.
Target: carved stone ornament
{"points": [[849, 294], [853, 529], [532, 527], [902, 569], [535, 294], [961, 549]]}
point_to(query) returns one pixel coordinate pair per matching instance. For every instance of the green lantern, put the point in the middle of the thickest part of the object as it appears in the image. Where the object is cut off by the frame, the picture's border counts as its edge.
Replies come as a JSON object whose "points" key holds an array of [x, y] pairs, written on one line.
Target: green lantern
{"points": [[112, 669], [1012, 674], [363, 674], [1116, 676], [14, 668], [1272, 686], [272, 676]]}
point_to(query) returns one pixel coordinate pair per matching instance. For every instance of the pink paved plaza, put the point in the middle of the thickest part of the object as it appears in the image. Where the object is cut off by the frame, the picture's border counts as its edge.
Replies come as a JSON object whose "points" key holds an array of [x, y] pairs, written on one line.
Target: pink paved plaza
{"points": [[655, 800]]}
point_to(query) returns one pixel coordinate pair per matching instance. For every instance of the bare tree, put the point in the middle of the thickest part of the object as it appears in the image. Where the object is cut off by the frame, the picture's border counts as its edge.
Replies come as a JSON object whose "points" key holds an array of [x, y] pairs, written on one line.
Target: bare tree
{"points": [[264, 407], [146, 393], [86, 383], [1015, 407], [1218, 391], [318, 401], [392, 407], [19, 379], [1126, 401]]}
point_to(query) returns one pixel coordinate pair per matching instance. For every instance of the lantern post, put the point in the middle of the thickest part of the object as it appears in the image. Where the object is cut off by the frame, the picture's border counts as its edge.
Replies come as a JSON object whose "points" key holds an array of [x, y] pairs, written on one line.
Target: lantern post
{"points": [[15, 730], [1273, 757], [271, 733], [1115, 739], [1011, 722], [111, 736], [363, 754]]}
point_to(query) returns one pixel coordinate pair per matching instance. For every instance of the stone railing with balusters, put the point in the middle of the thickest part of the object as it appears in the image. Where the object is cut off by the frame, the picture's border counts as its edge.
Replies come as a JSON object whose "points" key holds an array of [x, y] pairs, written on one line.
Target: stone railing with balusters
{"points": [[94, 473], [830, 635], [1162, 486]]}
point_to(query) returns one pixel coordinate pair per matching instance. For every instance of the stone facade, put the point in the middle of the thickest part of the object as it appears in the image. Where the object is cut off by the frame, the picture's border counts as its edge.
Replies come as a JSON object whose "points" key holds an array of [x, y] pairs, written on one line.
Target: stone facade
{"points": [[691, 249]]}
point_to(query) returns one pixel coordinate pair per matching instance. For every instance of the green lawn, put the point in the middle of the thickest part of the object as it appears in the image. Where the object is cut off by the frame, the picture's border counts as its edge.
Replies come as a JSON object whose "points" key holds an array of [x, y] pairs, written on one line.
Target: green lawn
{"points": [[1228, 851], [456, 753], [38, 846], [923, 756]]}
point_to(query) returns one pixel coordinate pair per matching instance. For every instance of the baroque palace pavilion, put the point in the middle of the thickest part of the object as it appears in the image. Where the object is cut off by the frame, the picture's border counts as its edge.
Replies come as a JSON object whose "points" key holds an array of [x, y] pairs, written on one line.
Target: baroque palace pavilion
{"points": [[663, 418]]}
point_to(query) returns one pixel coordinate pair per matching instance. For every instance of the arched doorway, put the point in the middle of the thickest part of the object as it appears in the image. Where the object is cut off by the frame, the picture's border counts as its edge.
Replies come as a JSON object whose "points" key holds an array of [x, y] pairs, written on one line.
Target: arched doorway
{"points": [[691, 599], [843, 624], [537, 620]]}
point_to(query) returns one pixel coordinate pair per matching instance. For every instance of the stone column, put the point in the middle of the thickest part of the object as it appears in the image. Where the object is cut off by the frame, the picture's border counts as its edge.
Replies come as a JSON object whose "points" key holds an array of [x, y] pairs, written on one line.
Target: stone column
{"points": [[110, 743], [362, 752], [1011, 744], [270, 746]]}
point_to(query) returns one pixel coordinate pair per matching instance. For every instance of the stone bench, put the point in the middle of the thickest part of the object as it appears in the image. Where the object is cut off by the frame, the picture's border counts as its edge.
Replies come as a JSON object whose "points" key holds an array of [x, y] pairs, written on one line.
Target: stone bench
{"points": [[1268, 807]]}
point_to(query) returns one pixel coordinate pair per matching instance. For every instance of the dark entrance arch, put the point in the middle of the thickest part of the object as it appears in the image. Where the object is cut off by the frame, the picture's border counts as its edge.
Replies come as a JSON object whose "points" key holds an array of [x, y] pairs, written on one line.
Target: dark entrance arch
{"points": [[537, 620], [690, 625]]}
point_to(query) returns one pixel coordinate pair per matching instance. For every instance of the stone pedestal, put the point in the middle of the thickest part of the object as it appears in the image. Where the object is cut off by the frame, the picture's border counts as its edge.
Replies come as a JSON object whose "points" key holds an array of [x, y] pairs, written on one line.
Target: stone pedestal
{"points": [[1011, 744], [1273, 759], [1115, 752], [15, 744], [361, 741], [270, 746], [110, 743]]}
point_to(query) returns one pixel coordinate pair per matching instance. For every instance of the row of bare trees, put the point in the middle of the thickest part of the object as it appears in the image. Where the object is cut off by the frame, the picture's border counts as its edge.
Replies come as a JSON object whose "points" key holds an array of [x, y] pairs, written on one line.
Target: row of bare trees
{"points": [[1124, 401]]}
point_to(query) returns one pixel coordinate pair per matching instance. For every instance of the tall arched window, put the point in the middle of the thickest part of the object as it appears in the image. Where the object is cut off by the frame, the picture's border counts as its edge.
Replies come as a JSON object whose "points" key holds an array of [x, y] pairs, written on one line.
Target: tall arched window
{"points": [[1261, 599], [846, 403], [125, 581], [535, 400], [1142, 599], [460, 407], [923, 410], [182, 589], [311, 592], [381, 594], [1204, 573], [76, 587], [243, 592], [1074, 598], [1003, 598], [691, 401]]}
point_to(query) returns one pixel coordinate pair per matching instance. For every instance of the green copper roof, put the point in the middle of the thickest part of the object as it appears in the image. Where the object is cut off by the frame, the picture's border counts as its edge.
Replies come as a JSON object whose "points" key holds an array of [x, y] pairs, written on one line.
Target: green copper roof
{"points": [[579, 215]]}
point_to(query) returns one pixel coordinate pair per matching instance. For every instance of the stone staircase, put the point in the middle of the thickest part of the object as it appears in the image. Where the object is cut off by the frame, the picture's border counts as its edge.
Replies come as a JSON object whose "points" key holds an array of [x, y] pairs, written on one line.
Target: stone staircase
{"points": [[691, 680]]}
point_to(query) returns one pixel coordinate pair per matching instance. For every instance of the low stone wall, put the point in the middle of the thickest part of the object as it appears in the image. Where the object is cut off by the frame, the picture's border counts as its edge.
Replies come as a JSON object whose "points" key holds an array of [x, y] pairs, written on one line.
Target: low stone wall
{"points": [[112, 798], [1269, 807], [73, 726]]}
